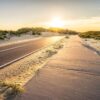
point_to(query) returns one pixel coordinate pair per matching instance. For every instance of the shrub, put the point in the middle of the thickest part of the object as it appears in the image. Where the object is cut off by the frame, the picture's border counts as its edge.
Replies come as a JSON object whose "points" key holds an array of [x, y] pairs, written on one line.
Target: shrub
{"points": [[2, 37], [90, 34], [69, 32], [3, 34], [38, 30], [16, 88], [22, 31]]}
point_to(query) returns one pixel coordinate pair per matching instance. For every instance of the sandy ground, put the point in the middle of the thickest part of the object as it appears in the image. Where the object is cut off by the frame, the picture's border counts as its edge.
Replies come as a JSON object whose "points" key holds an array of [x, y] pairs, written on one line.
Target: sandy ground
{"points": [[22, 71], [72, 74], [29, 63], [16, 39], [93, 43]]}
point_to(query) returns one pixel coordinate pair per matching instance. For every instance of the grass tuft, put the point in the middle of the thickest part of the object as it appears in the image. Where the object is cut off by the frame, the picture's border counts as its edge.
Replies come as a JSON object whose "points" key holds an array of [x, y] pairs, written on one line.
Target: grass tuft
{"points": [[11, 89]]}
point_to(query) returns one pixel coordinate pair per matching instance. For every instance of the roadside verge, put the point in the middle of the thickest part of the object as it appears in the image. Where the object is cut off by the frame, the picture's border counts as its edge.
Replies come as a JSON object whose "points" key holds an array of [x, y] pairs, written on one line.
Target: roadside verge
{"points": [[17, 74]]}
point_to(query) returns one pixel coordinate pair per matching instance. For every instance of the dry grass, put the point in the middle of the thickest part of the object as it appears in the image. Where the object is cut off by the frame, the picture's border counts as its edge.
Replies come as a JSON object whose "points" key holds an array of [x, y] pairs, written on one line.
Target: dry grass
{"points": [[17, 74], [8, 89], [15, 87]]}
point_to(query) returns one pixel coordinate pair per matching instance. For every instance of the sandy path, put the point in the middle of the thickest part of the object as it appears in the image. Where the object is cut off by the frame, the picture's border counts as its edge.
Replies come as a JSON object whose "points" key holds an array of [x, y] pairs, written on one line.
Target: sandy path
{"points": [[72, 74]]}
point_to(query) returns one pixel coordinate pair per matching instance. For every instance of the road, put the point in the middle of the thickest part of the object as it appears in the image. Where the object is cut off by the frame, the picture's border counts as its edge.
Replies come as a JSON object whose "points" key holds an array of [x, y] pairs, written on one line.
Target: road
{"points": [[12, 52], [72, 74]]}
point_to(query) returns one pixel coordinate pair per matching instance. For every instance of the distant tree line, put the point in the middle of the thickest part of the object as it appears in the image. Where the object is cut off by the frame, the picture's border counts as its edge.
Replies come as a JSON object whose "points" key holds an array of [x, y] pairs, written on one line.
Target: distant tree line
{"points": [[7, 34], [4, 34], [90, 34], [69, 32]]}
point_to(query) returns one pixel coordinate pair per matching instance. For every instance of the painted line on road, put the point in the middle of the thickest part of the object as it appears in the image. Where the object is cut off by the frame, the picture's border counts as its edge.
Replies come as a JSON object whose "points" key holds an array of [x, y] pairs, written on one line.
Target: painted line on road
{"points": [[4, 65], [20, 41], [12, 48], [15, 47]]}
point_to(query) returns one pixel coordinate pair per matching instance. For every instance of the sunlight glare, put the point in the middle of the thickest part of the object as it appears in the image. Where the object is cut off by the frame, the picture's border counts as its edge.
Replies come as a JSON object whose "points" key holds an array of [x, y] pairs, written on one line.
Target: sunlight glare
{"points": [[56, 22]]}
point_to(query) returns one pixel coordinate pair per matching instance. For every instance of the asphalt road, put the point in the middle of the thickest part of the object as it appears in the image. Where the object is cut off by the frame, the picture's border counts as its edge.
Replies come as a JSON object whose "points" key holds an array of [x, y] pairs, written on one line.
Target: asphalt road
{"points": [[72, 74], [15, 51]]}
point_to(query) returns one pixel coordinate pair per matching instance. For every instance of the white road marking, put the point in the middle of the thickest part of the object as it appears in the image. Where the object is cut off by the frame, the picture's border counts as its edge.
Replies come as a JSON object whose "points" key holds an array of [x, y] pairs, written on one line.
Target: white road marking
{"points": [[20, 41], [17, 59], [15, 47], [12, 48]]}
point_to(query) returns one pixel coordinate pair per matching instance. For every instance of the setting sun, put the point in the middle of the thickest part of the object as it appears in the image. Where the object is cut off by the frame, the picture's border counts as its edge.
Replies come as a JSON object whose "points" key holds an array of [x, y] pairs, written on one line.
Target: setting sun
{"points": [[56, 22]]}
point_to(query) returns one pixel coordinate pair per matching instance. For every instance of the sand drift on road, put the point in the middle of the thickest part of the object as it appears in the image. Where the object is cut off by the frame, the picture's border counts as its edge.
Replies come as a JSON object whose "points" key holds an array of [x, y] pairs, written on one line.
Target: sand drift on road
{"points": [[22, 71]]}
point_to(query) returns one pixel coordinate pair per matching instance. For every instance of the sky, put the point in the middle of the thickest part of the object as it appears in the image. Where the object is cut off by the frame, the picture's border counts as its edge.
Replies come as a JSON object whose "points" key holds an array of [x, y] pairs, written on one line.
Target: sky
{"points": [[79, 15]]}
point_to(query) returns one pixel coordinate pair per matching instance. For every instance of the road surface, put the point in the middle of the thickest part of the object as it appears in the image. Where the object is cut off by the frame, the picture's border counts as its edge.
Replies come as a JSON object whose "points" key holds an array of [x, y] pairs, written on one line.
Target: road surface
{"points": [[12, 52], [72, 74]]}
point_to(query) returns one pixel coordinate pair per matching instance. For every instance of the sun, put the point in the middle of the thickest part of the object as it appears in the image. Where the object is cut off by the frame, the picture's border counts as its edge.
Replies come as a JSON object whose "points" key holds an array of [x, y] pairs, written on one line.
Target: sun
{"points": [[56, 22]]}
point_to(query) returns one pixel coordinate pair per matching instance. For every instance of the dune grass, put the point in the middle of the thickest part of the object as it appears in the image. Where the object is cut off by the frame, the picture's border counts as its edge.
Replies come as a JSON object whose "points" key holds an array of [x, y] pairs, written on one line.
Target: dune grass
{"points": [[16, 75], [91, 34], [9, 89]]}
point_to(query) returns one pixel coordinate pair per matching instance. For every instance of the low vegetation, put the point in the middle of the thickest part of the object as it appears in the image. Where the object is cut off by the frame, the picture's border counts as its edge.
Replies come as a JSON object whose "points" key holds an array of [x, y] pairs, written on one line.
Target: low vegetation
{"points": [[63, 31], [6, 34], [8, 89], [17, 74], [68, 32], [2, 34], [90, 34]]}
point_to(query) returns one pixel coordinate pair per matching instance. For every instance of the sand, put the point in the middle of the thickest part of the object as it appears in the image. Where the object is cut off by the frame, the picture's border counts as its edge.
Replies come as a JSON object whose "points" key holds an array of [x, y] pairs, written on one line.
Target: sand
{"points": [[16, 39], [93, 43]]}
